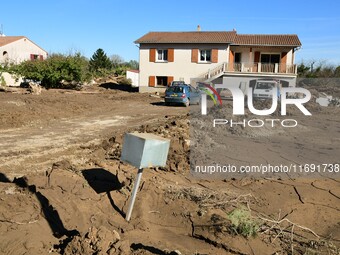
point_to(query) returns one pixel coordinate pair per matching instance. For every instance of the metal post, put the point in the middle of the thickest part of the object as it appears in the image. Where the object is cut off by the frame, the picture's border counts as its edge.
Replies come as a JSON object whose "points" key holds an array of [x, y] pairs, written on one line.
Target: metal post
{"points": [[134, 194]]}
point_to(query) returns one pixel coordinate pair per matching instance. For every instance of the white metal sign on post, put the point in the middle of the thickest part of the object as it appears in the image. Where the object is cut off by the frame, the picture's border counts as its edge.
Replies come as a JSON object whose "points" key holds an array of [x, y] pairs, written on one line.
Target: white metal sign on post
{"points": [[143, 150]]}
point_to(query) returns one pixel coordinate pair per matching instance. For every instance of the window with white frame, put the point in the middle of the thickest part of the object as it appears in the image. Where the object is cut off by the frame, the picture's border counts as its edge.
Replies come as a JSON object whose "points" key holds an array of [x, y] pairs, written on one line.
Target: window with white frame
{"points": [[205, 55], [162, 55]]}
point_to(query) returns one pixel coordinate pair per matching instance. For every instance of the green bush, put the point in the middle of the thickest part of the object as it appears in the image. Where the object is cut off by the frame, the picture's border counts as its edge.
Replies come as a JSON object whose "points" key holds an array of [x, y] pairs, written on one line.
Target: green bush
{"points": [[2, 81], [121, 70], [242, 223], [125, 81], [54, 70], [68, 71]]}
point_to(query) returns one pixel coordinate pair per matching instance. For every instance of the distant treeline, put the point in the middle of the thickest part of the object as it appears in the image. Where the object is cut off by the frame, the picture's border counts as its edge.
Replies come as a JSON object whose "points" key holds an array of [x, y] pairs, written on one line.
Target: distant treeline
{"points": [[318, 70]]}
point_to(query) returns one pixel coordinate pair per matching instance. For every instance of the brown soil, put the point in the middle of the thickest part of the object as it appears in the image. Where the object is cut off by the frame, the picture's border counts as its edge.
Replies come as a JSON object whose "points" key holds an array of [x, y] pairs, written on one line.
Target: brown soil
{"points": [[64, 189]]}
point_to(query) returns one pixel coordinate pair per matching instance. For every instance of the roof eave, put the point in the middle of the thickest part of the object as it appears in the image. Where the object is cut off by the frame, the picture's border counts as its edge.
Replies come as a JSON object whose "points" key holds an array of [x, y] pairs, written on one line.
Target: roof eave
{"points": [[138, 42], [267, 45]]}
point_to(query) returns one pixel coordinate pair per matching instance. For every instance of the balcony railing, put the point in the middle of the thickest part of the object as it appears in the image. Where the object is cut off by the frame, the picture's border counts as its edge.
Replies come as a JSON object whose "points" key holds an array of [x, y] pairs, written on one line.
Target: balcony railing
{"points": [[250, 67]]}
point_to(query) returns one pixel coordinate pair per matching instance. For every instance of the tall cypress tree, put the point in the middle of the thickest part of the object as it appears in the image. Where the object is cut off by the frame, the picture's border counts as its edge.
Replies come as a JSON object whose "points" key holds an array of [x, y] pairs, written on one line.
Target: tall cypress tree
{"points": [[100, 60]]}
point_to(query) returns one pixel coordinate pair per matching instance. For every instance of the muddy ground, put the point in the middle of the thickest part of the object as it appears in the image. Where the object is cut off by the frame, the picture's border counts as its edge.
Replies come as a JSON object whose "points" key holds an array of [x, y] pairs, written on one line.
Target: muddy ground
{"points": [[64, 189]]}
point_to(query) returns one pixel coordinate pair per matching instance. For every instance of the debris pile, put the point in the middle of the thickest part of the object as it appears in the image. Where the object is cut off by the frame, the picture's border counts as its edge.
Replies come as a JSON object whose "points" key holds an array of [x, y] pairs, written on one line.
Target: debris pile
{"points": [[96, 241], [34, 88]]}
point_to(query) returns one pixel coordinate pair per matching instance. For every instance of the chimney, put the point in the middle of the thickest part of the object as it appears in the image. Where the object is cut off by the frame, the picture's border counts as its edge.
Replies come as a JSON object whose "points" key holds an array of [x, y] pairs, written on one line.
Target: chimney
{"points": [[198, 28]]}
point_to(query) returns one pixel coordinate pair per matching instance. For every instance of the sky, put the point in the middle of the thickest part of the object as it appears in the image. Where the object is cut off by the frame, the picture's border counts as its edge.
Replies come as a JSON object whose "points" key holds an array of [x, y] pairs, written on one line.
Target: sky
{"points": [[64, 26]]}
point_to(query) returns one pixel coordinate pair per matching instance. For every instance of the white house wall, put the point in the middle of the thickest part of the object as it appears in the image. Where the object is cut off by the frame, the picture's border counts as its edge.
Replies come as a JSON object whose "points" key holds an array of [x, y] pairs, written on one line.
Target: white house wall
{"points": [[11, 80], [290, 59], [134, 78], [244, 53], [182, 68]]}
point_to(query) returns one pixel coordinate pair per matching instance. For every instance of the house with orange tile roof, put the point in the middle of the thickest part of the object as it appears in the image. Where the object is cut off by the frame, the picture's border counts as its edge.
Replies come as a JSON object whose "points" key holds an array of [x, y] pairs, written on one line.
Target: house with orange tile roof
{"points": [[220, 57], [16, 49]]}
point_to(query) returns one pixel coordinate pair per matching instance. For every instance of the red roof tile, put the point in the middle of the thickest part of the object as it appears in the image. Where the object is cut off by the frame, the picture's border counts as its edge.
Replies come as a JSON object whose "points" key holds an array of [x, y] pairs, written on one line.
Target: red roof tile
{"points": [[4, 40], [267, 40], [187, 37], [221, 37]]}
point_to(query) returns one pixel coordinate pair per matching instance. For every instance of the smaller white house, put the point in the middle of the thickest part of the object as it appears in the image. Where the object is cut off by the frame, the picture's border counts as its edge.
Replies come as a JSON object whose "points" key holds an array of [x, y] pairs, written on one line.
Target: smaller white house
{"points": [[134, 76], [16, 49]]}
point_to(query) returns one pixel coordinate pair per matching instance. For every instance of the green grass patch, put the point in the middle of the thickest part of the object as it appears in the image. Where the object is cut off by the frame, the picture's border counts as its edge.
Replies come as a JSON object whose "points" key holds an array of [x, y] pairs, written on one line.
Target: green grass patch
{"points": [[242, 223]]}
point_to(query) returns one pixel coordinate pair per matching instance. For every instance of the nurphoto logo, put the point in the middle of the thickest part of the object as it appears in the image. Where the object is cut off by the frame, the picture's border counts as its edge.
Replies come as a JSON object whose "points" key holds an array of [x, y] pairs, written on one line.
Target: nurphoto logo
{"points": [[284, 95]]}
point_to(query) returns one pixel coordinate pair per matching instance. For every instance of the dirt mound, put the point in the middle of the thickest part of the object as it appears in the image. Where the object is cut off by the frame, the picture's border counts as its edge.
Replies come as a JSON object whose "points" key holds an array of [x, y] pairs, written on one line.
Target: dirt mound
{"points": [[99, 241], [174, 128], [177, 130], [102, 241]]}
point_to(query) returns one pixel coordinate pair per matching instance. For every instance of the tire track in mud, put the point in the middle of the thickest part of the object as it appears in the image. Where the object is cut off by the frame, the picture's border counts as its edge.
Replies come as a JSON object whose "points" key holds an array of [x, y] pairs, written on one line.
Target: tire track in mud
{"points": [[35, 149], [25, 146]]}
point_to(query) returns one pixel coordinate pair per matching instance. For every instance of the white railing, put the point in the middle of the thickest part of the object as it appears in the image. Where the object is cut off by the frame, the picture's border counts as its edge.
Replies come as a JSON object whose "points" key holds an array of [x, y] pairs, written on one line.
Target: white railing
{"points": [[249, 67], [216, 71], [253, 67]]}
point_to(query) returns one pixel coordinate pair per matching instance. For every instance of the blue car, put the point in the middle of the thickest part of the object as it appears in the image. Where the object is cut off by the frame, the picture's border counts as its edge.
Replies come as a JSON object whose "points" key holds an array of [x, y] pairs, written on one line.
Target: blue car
{"points": [[182, 94]]}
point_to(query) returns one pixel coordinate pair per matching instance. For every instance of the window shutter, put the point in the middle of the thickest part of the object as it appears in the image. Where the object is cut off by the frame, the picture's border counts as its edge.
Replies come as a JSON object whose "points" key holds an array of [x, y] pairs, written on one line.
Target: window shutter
{"points": [[214, 55], [152, 81], [171, 55], [284, 57], [194, 55], [170, 79], [231, 61], [257, 56], [41, 57], [32, 56], [152, 55], [283, 64]]}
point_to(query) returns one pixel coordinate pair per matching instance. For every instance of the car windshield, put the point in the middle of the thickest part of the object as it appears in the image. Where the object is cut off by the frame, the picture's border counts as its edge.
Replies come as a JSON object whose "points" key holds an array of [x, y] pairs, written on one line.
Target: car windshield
{"points": [[264, 85], [177, 83], [175, 89]]}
